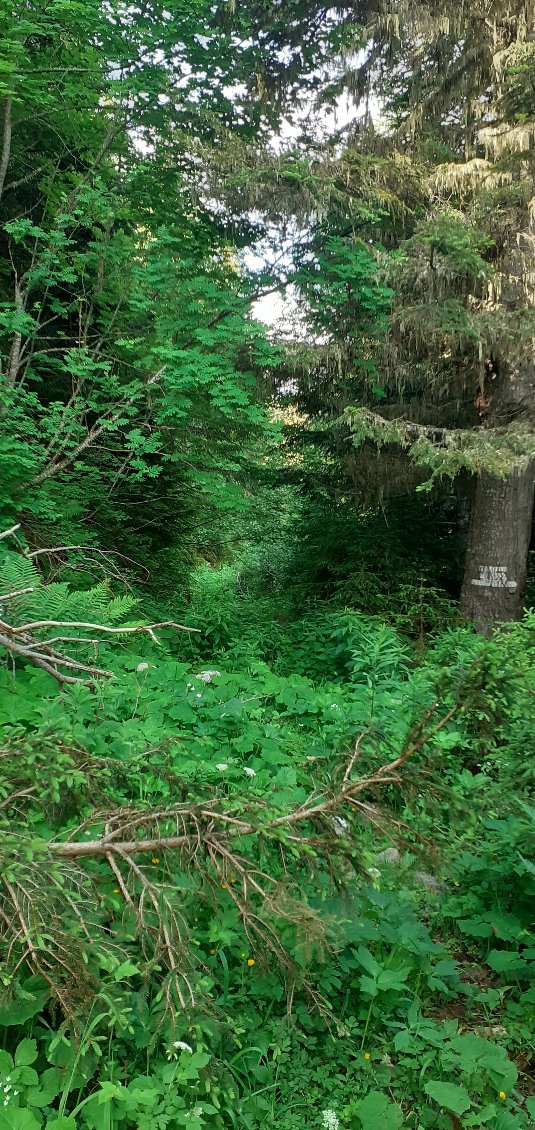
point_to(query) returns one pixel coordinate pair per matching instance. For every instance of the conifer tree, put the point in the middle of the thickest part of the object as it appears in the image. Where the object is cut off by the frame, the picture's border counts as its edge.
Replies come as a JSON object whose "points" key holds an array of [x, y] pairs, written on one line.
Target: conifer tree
{"points": [[455, 82], [445, 183]]}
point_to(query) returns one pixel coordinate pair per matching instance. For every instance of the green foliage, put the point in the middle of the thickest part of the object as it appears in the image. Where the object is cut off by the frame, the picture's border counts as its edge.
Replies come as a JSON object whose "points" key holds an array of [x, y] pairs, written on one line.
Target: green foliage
{"points": [[125, 333], [341, 291], [213, 906], [367, 560], [455, 246], [445, 452], [56, 600], [162, 730]]}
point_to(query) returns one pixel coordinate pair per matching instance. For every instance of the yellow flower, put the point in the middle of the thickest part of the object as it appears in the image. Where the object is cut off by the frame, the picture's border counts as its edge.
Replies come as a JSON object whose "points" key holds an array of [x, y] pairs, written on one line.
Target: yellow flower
{"points": [[155, 859], [502, 1095], [223, 886], [250, 961], [195, 919], [367, 1055], [212, 952], [116, 890]]}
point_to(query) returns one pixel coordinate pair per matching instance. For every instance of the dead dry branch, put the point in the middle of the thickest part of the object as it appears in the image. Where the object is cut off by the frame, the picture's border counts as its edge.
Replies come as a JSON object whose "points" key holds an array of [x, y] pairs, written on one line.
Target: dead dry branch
{"points": [[24, 641], [218, 845]]}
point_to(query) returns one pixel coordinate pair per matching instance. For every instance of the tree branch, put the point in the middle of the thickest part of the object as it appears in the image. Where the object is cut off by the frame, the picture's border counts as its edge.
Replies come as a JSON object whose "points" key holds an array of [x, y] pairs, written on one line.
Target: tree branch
{"points": [[24, 180], [213, 827]]}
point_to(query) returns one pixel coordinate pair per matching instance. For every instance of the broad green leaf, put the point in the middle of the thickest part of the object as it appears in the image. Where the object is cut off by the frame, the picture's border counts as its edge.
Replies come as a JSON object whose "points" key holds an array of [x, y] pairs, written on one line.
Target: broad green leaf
{"points": [[18, 1118], [368, 961], [506, 961], [198, 1060], [392, 978], [109, 1090], [51, 1082], [377, 1110], [26, 1053], [480, 1117], [448, 1095], [26, 1075], [474, 927], [368, 986], [21, 1010]]}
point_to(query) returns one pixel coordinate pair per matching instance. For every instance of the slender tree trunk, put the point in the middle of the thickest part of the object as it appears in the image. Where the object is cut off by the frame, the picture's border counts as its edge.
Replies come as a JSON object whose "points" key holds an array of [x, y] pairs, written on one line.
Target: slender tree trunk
{"points": [[498, 543], [6, 143]]}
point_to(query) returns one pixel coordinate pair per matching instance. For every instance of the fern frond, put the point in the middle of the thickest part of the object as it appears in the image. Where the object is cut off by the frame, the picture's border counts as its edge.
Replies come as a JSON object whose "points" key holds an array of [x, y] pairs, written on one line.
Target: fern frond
{"points": [[36, 617]]}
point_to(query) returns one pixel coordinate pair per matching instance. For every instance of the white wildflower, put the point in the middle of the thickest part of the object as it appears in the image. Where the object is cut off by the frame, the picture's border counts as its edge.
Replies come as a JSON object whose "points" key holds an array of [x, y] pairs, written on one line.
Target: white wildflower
{"points": [[330, 1120], [199, 695], [207, 676], [250, 772], [374, 873], [183, 1047], [334, 706], [339, 825], [142, 667], [222, 766]]}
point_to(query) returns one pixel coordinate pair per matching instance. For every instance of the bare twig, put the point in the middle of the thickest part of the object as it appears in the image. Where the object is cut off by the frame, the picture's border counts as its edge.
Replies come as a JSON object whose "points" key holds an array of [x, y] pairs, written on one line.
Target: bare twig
{"points": [[24, 641], [354, 756], [121, 631], [16, 592], [9, 533], [51, 551]]}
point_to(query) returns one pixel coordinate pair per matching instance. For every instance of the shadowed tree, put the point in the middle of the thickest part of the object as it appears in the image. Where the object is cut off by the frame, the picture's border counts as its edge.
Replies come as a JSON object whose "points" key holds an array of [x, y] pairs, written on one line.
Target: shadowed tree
{"points": [[455, 78]]}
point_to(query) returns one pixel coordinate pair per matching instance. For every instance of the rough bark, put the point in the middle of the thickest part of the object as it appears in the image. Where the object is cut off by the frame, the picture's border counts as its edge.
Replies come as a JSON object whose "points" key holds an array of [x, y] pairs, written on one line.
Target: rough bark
{"points": [[6, 143], [498, 543], [502, 509]]}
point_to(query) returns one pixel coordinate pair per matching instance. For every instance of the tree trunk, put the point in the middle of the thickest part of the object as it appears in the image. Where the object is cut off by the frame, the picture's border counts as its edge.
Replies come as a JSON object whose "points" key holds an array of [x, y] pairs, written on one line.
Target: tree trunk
{"points": [[498, 544], [502, 509]]}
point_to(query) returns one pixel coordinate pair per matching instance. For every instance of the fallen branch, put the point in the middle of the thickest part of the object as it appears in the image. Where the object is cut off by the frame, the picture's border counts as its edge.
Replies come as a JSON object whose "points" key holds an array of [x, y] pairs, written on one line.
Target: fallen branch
{"points": [[216, 843], [9, 533], [212, 827], [22, 641], [121, 631]]}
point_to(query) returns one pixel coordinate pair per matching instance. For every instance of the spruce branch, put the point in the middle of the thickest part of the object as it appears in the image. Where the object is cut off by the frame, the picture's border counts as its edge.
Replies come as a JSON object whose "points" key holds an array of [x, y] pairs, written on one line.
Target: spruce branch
{"points": [[499, 450], [215, 842]]}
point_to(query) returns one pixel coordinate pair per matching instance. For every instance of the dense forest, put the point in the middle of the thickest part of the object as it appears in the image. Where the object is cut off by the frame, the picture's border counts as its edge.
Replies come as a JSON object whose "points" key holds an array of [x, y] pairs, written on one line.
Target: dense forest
{"points": [[267, 657]]}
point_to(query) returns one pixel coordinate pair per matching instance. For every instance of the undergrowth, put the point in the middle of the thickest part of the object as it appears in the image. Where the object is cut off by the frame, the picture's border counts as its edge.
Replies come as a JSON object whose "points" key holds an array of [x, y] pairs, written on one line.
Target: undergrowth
{"points": [[382, 970]]}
